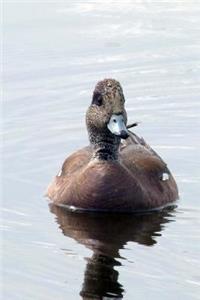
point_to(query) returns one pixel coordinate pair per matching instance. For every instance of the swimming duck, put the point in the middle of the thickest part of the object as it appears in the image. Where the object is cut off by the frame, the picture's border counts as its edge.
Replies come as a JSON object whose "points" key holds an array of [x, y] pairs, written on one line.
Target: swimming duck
{"points": [[118, 171]]}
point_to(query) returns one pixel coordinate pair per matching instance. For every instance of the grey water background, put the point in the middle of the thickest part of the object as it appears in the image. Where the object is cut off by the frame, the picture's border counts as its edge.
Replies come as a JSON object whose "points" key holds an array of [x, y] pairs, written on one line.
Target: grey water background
{"points": [[53, 55]]}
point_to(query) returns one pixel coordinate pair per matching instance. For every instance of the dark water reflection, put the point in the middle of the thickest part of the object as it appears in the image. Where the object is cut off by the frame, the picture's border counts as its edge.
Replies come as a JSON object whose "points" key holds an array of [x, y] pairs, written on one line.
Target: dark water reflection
{"points": [[106, 235]]}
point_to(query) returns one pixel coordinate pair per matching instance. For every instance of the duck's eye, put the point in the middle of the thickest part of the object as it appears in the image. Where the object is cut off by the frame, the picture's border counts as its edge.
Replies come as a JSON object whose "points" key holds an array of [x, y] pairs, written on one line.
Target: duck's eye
{"points": [[122, 99], [97, 99]]}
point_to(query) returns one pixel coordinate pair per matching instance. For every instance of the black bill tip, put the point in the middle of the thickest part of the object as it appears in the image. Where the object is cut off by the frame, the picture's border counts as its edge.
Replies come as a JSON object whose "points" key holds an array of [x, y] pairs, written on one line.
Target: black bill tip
{"points": [[124, 135]]}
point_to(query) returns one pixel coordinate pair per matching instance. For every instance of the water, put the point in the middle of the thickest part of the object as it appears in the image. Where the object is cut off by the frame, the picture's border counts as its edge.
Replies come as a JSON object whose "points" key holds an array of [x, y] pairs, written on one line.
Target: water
{"points": [[54, 53]]}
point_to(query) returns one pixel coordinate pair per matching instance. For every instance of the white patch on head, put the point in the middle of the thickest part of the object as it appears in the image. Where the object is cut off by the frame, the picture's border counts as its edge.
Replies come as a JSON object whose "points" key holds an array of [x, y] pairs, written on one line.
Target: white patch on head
{"points": [[165, 176]]}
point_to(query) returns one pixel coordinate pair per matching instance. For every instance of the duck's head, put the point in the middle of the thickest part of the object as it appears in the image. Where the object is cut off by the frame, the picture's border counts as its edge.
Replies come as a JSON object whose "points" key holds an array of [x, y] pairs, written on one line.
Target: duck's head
{"points": [[106, 112]]}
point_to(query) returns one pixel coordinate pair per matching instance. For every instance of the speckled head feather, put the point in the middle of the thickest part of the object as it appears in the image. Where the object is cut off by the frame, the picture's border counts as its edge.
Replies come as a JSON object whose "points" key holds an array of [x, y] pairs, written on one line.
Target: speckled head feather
{"points": [[109, 93], [107, 86], [108, 99]]}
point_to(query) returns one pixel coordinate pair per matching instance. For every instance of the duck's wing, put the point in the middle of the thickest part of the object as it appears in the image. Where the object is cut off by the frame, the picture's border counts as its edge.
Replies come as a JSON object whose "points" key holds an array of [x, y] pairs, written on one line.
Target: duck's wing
{"points": [[76, 161], [148, 167], [134, 139], [138, 156]]}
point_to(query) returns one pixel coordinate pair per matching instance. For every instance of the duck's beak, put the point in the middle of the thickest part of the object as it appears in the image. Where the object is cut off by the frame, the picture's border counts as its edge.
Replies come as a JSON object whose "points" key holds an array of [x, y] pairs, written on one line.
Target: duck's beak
{"points": [[117, 126]]}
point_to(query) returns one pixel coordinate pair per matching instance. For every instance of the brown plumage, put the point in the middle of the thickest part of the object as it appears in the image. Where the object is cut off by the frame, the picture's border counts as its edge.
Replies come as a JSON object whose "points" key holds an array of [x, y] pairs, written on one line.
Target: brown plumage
{"points": [[110, 175]]}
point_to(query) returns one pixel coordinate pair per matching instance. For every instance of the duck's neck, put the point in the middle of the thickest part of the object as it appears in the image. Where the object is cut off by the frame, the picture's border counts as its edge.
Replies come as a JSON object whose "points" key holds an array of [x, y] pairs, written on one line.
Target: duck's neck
{"points": [[105, 145]]}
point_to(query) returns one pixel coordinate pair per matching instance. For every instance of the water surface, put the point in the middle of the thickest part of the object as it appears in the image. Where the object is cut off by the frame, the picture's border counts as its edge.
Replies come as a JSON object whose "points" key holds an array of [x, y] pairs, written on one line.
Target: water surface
{"points": [[54, 53]]}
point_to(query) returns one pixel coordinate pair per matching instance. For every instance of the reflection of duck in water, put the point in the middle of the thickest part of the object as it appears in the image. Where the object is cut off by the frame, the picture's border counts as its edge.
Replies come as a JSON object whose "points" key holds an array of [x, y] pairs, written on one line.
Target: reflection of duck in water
{"points": [[105, 235]]}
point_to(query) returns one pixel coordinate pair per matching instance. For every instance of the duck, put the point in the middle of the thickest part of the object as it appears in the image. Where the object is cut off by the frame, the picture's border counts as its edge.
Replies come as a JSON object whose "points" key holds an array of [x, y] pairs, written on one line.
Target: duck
{"points": [[118, 171]]}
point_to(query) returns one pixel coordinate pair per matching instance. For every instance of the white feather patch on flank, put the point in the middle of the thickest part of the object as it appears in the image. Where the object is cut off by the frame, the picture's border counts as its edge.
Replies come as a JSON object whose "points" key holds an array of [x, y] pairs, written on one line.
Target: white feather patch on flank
{"points": [[72, 208], [59, 173], [165, 176]]}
